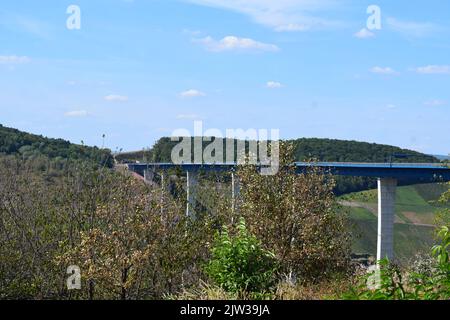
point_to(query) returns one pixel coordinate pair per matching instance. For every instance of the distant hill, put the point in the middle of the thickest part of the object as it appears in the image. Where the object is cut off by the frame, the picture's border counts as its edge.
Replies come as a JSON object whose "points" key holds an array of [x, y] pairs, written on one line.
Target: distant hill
{"points": [[305, 148], [442, 157], [355, 151], [28, 146]]}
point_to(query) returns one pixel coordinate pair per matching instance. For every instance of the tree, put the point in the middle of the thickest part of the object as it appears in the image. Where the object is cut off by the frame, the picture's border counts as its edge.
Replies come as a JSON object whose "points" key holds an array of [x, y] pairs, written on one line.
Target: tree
{"points": [[295, 217], [443, 216], [121, 241]]}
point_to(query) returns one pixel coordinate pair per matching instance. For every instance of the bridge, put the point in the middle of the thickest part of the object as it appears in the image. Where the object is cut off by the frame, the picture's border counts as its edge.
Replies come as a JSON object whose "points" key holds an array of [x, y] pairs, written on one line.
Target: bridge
{"points": [[388, 175]]}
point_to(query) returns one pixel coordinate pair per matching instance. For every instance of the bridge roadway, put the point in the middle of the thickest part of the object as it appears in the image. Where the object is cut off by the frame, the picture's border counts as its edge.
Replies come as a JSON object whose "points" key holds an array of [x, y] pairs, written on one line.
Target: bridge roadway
{"points": [[388, 175]]}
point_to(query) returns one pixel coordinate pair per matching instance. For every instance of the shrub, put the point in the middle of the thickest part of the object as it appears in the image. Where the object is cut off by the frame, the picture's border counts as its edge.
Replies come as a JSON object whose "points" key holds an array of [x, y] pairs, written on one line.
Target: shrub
{"points": [[240, 264], [443, 215], [393, 285], [130, 240], [295, 216]]}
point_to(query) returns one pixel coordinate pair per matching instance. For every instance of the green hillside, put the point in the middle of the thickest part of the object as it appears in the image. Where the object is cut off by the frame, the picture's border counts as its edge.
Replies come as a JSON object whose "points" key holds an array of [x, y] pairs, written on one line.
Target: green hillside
{"points": [[416, 208], [354, 151], [409, 240], [29, 146], [305, 149]]}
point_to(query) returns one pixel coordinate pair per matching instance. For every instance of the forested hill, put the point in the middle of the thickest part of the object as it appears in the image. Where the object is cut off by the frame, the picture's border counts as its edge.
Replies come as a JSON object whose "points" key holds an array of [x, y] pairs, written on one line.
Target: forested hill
{"points": [[354, 151], [305, 148], [29, 146]]}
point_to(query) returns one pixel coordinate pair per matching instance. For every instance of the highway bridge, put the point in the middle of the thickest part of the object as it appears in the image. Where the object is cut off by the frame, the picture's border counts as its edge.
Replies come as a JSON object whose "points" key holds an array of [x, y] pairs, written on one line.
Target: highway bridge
{"points": [[388, 175]]}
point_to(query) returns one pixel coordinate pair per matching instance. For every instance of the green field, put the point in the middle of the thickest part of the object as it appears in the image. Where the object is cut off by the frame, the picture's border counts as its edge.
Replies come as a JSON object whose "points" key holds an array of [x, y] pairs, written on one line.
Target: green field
{"points": [[416, 208]]}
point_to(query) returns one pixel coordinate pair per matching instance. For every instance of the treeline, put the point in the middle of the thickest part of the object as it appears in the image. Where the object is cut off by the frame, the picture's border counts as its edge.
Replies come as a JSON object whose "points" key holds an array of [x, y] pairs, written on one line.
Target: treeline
{"points": [[355, 151], [304, 149], [33, 147]]}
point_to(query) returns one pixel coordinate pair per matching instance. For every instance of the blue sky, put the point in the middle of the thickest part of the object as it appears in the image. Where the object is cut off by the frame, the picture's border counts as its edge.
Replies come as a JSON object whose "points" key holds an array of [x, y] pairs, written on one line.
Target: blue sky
{"points": [[139, 69]]}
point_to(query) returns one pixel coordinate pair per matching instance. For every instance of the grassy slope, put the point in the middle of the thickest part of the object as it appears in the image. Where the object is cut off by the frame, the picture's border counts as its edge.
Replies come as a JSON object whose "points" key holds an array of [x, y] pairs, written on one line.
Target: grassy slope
{"points": [[415, 209], [408, 239]]}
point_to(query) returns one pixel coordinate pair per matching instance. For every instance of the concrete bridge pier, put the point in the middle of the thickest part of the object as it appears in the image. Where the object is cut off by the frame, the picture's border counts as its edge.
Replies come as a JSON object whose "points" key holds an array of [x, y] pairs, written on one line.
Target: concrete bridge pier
{"points": [[235, 190], [149, 175], [191, 189], [164, 182], [386, 214]]}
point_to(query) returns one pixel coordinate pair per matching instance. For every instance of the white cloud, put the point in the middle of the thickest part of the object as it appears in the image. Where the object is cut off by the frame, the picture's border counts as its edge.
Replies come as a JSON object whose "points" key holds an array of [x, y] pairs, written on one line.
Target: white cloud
{"points": [[383, 70], [273, 85], [14, 59], [364, 34], [280, 15], [434, 69], [191, 116], [435, 103], [391, 106], [76, 113], [412, 29], [233, 43], [115, 97], [192, 93]]}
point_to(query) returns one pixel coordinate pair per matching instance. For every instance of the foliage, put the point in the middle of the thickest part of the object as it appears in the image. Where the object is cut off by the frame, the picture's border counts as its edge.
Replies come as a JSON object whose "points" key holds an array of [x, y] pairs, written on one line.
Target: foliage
{"points": [[328, 289], [131, 240], [240, 264], [284, 290], [61, 205], [296, 217], [388, 280], [121, 238], [30, 146], [353, 151], [393, 284], [204, 291], [307, 148], [443, 216]]}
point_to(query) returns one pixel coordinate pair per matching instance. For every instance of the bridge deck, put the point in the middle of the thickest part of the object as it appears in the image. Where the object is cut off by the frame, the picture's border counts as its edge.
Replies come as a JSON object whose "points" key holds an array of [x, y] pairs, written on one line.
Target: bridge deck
{"points": [[416, 171]]}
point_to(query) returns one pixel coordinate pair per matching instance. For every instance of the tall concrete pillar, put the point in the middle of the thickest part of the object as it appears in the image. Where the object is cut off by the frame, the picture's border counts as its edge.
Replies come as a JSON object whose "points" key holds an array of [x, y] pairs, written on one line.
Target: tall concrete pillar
{"points": [[163, 176], [149, 175], [386, 215], [191, 188], [235, 190]]}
